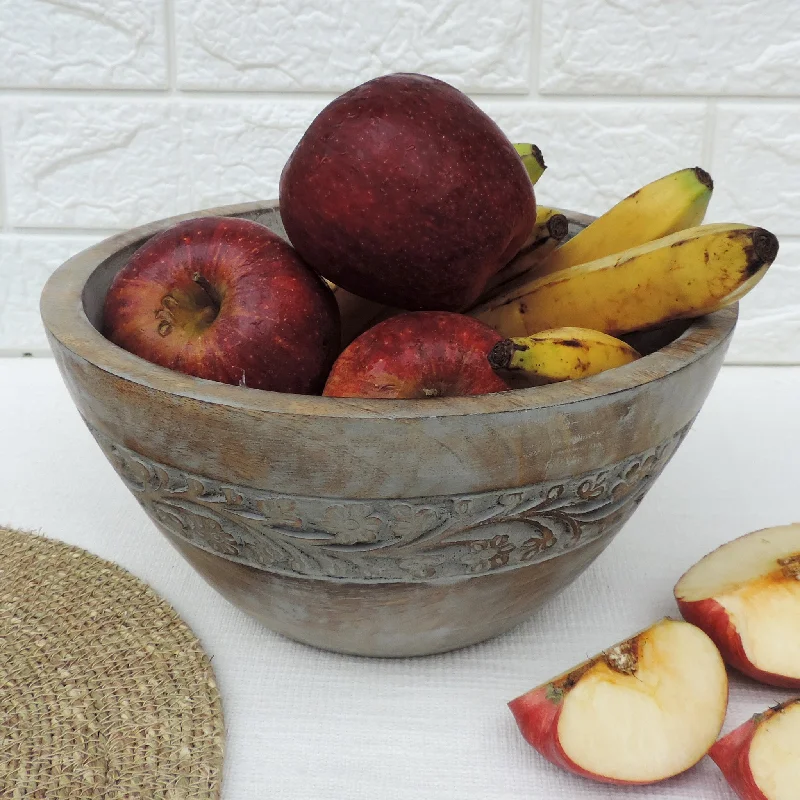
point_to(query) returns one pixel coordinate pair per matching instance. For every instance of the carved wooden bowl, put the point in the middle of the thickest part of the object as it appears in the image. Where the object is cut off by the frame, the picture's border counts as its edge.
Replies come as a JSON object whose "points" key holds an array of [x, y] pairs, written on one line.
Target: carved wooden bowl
{"points": [[377, 527]]}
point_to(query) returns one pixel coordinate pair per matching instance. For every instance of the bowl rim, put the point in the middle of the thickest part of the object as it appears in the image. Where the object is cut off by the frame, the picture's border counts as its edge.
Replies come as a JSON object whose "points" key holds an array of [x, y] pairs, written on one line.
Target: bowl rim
{"points": [[64, 318]]}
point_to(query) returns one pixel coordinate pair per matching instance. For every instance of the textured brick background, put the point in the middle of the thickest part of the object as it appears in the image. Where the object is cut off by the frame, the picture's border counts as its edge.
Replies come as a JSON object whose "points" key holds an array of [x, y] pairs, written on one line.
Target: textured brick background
{"points": [[116, 112]]}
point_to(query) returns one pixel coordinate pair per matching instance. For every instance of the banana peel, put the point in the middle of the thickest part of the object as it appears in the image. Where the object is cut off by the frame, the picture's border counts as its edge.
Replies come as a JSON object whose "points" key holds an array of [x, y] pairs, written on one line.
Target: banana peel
{"points": [[670, 204], [561, 354], [683, 275]]}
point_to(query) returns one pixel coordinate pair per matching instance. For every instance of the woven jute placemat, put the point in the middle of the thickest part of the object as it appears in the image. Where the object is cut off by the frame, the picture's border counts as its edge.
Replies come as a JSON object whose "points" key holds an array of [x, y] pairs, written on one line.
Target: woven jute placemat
{"points": [[104, 691]]}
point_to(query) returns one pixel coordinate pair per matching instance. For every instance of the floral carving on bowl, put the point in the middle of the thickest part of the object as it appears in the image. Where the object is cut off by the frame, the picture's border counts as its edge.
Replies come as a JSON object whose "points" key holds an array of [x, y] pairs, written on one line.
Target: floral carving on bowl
{"points": [[385, 539]]}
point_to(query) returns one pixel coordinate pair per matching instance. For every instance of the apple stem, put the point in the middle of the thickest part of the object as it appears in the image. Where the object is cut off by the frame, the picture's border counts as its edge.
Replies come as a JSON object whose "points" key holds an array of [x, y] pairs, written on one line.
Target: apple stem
{"points": [[204, 284]]}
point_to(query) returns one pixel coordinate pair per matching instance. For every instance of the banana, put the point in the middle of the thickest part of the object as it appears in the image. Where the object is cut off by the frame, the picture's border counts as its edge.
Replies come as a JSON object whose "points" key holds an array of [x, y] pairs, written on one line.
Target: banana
{"points": [[687, 274], [561, 354], [533, 160], [667, 205], [544, 214], [550, 224], [550, 230]]}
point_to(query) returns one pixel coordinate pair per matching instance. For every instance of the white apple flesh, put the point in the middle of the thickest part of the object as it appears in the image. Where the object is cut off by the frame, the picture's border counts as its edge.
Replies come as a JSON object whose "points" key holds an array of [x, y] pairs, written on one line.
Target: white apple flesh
{"points": [[642, 711], [746, 596], [761, 758]]}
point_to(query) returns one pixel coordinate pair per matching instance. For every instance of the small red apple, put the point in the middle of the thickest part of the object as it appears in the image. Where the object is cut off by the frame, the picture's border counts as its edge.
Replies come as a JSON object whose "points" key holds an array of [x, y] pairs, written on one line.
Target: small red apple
{"points": [[404, 192], [761, 758], [228, 300], [746, 596], [417, 355], [640, 712]]}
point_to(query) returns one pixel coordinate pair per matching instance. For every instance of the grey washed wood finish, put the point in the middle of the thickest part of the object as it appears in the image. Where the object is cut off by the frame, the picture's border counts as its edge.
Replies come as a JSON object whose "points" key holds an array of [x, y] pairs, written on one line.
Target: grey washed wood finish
{"points": [[377, 527]]}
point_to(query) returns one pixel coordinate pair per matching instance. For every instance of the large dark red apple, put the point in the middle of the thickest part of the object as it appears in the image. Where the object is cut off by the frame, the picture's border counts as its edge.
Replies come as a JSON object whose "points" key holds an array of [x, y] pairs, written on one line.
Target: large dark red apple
{"points": [[404, 192], [419, 354], [227, 300]]}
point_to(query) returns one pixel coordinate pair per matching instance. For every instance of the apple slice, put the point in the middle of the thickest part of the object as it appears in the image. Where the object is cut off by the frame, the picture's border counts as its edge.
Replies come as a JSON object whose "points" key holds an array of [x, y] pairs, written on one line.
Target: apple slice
{"points": [[746, 596], [761, 758], [642, 711]]}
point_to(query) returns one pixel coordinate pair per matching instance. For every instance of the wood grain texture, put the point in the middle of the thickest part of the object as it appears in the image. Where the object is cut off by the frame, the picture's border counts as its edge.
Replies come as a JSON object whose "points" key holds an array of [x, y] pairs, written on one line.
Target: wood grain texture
{"points": [[209, 463], [390, 619]]}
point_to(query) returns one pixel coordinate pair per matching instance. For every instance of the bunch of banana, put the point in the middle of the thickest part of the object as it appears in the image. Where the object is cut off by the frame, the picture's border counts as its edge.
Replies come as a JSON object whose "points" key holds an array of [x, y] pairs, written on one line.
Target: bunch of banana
{"points": [[687, 274], [561, 354], [667, 205]]}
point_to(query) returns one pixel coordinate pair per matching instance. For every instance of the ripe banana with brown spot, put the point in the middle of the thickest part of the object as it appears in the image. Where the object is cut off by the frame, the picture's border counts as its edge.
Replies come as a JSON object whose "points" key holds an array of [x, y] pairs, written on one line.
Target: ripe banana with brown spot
{"points": [[561, 354], [667, 205], [687, 274], [533, 160]]}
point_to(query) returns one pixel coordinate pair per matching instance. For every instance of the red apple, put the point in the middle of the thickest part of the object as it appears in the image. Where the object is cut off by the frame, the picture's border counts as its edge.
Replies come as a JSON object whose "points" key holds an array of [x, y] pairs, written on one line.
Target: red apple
{"points": [[746, 596], [227, 300], [761, 758], [640, 712], [404, 192], [417, 355]]}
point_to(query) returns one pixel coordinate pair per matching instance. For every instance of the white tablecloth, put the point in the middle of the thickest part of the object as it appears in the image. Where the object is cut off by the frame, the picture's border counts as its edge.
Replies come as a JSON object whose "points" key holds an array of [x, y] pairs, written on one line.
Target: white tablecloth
{"points": [[303, 724]]}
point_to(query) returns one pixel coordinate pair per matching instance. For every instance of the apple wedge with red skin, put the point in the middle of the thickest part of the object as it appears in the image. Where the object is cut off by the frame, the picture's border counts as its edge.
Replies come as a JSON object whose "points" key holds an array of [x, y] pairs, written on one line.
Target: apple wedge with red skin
{"points": [[761, 758], [746, 596], [419, 354], [640, 712], [226, 299]]}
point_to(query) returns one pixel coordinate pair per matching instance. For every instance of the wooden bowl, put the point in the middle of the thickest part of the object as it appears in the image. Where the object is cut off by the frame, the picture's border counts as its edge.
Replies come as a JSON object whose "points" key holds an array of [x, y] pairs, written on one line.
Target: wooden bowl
{"points": [[377, 527]]}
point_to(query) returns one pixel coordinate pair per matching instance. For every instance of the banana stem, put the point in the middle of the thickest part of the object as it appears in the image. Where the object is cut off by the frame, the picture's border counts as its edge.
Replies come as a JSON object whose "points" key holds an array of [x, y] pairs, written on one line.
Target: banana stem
{"points": [[533, 160], [501, 354]]}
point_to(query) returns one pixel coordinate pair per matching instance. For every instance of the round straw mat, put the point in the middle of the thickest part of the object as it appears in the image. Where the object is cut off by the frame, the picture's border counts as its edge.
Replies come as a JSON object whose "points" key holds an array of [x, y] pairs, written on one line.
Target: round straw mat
{"points": [[104, 691]]}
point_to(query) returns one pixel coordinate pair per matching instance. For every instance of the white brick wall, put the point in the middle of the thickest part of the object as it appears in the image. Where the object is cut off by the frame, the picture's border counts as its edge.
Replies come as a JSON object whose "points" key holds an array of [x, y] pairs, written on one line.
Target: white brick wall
{"points": [[115, 112], [26, 262], [680, 47], [92, 44], [297, 45]]}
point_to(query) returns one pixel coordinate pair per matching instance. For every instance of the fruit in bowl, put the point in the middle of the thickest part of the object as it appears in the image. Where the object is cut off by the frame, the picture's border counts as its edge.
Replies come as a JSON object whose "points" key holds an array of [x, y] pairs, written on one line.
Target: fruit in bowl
{"points": [[420, 354], [227, 300], [561, 354], [686, 274], [404, 192]]}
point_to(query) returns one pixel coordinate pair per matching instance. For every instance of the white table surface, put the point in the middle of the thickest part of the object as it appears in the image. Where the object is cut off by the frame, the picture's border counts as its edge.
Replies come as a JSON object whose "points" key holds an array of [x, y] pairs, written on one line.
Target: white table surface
{"points": [[306, 724]]}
